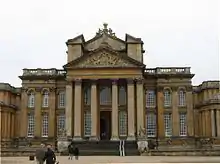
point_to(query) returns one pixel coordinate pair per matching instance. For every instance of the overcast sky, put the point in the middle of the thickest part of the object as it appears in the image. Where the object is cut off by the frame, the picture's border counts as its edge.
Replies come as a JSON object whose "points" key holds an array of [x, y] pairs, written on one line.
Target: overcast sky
{"points": [[175, 32]]}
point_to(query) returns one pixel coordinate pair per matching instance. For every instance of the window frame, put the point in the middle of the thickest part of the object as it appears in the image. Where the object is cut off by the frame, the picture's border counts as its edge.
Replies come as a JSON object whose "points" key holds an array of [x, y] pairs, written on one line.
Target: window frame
{"points": [[167, 98], [31, 99], [87, 123], [61, 124], [61, 99], [30, 125], [123, 123], [181, 98], [168, 127], [45, 102], [150, 98], [183, 124], [151, 128], [105, 99], [45, 125]]}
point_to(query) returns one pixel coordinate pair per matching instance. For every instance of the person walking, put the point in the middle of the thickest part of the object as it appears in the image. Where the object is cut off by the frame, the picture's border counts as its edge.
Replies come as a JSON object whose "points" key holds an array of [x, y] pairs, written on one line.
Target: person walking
{"points": [[76, 153], [71, 151], [50, 156], [40, 154]]}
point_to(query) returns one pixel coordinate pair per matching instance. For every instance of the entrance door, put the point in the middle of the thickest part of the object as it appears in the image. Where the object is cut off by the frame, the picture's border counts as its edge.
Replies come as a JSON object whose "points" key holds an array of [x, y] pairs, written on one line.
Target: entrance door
{"points": [[105, 125]]}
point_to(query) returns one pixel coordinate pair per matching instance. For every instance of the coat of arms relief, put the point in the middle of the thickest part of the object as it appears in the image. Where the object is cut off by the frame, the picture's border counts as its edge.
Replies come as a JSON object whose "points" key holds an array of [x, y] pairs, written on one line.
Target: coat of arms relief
{"points": [[104, 60]]}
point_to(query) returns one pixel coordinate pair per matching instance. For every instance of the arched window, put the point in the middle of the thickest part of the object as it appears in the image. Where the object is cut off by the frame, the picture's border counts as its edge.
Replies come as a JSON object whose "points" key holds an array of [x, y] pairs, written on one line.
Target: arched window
{"points": [[61, 99], [31, 99], [167, 98], [122, 96], [87, 96], [182, 97], [45, 102], [105, 96]]}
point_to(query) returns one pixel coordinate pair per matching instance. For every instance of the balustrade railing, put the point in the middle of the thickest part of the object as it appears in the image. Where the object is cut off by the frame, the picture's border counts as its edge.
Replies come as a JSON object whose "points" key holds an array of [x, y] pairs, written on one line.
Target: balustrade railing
{"points": [[168, 70], [40, 72]]}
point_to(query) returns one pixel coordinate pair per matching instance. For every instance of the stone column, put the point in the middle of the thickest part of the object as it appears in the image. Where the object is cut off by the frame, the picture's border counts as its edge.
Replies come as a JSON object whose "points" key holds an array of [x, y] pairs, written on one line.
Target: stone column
{"points": [[203, 124], [69, 109], [8, 125], [213, 123], [131, 109], [175, 112], [13, 125], [218, 122], [78, 110], [52, 113], [94, 112], [190, 119], [140, 105], [160, 113], [37, 112], [23, 115], [5, 124], [115, 111]]}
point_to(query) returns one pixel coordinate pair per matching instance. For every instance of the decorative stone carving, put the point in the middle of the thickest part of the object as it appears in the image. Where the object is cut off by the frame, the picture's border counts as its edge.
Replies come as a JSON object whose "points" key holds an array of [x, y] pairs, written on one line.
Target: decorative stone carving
{"points": [[104, 60], [38, 89], [140, 81], [130, 81], [78, 81], [53, 89], [105, 30], [114, 81]]}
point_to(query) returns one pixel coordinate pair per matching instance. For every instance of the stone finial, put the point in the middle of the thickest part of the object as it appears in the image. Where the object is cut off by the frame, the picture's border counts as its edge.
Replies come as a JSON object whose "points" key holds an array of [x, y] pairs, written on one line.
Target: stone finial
{"points": [[105, 30], [105, 25]]}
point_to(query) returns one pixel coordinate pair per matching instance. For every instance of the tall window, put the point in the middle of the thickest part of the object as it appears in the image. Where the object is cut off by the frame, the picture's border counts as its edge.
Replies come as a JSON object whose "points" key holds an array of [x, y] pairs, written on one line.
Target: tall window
{"points": [[30, 128], [122, 96], [182, 97], [183, 126], [123, 123], [45, 99], [60, 124], [168, 124], [105, 96], [150, 98], [87, 123], [45, 125], [87, 96], [167, 98], [31, 99], [151, 124], [61, 99]]}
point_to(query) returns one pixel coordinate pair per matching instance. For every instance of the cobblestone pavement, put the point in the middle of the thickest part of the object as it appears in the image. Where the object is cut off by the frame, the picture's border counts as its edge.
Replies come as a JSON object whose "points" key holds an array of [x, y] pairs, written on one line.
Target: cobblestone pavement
{"points": [[116, 159]]}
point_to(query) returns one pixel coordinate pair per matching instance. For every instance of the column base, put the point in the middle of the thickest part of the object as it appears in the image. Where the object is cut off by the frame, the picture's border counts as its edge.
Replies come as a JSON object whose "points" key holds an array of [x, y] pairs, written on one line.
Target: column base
{"points": [[131, 138], [94, 138], [114, 138], [77, 138]]}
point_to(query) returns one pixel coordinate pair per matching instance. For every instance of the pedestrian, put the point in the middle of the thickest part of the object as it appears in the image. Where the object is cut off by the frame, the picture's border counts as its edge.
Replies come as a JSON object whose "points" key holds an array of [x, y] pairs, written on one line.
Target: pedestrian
{"points": [[50, 156], [71, 151], [76, 153], [40, 154]]}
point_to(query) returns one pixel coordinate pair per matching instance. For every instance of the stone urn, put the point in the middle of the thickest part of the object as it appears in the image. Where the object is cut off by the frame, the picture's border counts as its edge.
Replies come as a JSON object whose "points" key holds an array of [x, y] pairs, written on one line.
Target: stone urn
{"points": [[62, 142]]}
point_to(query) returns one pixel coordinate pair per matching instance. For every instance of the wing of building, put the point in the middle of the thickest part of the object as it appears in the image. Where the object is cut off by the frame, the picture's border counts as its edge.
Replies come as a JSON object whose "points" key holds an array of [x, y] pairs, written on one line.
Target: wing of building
{"points": [[106, 92]]}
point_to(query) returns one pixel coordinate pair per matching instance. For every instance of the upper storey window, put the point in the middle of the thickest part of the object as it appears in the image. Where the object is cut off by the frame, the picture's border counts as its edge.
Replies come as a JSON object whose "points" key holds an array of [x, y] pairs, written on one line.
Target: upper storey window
{"points": [[182, 97], [31, 99], [61, 99], [105, 95], [122, 95], [150, 98], [87, 96], [167, 98], [45, 102]]}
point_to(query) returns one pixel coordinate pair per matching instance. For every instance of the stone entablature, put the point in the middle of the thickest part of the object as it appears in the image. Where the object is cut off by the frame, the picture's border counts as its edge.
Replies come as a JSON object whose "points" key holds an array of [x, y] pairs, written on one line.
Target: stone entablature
{"points": [[207, 85], [8, 87]]}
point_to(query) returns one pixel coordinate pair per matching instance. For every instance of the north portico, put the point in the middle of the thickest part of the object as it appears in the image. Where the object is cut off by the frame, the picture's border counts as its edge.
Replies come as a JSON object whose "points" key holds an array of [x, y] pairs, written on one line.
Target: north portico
{"points": [[105, 87]]}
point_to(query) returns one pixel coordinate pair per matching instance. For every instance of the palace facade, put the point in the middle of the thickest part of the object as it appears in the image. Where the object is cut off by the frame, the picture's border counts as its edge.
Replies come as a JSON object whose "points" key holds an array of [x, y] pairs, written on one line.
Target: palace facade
{"points": [[106, 92]]}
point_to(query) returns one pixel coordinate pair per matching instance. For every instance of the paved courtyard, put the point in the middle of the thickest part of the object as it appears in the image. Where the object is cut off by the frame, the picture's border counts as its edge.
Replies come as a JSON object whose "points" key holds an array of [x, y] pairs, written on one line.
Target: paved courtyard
{"points": [[116, 159]]}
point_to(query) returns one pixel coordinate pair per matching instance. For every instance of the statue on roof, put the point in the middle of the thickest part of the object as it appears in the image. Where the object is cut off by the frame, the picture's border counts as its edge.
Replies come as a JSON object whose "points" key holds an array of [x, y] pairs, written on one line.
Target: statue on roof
{"points": [[105, 30]]}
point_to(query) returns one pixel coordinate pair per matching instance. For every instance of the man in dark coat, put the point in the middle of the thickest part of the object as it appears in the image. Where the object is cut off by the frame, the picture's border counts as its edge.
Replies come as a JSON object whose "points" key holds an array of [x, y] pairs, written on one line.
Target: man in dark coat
{"points": [[40, 154], [50, 157], [76, 153], [71, 151]]}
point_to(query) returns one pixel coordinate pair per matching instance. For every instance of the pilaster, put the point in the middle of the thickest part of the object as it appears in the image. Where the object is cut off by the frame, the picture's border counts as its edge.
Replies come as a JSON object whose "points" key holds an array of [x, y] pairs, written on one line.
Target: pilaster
{"points": [[218, 122], [114, 110], [131, 109], [23, 114], [175, 112], [190, 120], [37, 112], [78, 110], [213, 123], [52, 112], [160, 113]]}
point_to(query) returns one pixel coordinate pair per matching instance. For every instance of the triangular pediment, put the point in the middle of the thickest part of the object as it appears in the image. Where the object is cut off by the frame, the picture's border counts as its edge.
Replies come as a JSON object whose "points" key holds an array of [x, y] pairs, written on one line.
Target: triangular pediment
{"points": [[104, 58]]}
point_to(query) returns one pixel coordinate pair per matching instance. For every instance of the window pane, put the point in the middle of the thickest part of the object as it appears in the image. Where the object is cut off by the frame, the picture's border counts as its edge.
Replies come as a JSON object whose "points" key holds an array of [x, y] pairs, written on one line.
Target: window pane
{"points": [[62, 99], [167, 98], [168, 124], [45, 125], [122, 96], [123, 123], [150, 99], [105, 96], [151, 124], [87, 123], [31, 100], [182, 98], [30, 130], [45, 99], [183, 127], [87, 96], [60, 124]]}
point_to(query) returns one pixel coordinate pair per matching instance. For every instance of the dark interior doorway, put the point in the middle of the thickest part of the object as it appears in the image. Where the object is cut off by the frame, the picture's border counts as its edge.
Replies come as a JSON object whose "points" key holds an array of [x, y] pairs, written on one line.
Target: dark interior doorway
{"points": [[105, 125]]}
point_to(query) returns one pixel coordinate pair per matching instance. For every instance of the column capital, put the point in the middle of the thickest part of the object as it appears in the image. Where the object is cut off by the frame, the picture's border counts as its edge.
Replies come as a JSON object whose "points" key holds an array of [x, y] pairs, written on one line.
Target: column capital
{"points": [[52, 89], [78, 81], [114, 81], [69, 82], [130, 81], [94, 81], [174, 88], [140, 81]]}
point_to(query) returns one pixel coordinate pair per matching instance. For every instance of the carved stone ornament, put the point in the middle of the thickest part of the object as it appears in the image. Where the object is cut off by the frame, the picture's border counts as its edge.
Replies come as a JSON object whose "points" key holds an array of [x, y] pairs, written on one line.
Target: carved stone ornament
{"points": [[53, 89], [38, 89], [104, 60], [140, 81], [130, 81], [78, 81]]}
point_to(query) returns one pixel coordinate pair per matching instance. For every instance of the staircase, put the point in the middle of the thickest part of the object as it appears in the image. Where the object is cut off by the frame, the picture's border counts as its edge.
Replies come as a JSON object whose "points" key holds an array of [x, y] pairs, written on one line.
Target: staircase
{"points": [[105, 148]]}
